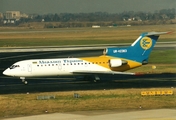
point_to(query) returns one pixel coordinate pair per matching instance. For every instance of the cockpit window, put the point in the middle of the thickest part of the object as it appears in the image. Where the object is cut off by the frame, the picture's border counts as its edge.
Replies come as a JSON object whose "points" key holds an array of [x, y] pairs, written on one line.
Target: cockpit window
{"points": [[14, 66]]}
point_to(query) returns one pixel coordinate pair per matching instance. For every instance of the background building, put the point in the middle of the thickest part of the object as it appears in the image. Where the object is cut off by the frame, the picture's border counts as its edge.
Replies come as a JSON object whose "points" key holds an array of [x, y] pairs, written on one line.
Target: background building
{"points": [[12, 15]]}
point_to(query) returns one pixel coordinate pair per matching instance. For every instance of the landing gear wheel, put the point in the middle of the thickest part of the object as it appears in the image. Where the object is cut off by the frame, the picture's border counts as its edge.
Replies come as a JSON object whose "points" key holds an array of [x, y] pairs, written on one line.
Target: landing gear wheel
{"points": [[94, 81], [25, 82]]}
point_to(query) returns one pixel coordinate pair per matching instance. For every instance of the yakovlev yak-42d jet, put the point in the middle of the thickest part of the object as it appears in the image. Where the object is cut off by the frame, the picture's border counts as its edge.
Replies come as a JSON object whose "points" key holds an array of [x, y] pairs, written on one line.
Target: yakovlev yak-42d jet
{"points": [[114, 61]]}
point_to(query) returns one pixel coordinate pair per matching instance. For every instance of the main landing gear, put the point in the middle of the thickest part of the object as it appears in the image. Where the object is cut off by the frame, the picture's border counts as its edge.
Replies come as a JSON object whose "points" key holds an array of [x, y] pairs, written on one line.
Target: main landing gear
{"points": [[93, 78], [96, 78], [23, 80]]}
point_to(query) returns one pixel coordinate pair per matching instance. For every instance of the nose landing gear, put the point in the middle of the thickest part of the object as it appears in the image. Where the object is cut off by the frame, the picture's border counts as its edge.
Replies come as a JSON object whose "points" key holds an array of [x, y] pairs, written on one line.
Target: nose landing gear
{"points": [[23, 80]]}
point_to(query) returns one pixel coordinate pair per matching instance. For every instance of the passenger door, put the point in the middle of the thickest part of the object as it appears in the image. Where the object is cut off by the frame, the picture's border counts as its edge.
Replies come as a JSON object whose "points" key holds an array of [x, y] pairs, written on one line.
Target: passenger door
{"points": [[29, 67]]}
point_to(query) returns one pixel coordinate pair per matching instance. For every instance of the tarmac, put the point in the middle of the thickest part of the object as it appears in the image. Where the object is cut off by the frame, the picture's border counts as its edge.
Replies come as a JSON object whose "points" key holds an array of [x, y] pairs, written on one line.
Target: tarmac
{"points": [[7, 87], [156, 114]]}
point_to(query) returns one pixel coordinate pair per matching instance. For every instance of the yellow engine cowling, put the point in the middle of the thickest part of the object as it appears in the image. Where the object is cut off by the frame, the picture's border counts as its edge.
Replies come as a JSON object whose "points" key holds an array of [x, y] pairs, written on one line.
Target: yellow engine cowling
{"points": [[116, 62]]}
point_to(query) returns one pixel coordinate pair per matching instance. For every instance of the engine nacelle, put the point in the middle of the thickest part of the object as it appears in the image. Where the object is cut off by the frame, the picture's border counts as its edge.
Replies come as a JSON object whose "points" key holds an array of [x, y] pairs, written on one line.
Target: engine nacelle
{"points": [[116, 62]]}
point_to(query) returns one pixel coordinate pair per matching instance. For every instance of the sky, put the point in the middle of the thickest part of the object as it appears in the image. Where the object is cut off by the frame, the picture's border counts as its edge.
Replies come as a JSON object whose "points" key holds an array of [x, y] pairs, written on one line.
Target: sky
{"points": [[84, 6]]}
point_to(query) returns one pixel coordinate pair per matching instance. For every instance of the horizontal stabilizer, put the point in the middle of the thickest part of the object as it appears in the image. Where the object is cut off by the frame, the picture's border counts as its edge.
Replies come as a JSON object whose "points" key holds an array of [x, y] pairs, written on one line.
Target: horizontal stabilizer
{"points": [[156, 33]]}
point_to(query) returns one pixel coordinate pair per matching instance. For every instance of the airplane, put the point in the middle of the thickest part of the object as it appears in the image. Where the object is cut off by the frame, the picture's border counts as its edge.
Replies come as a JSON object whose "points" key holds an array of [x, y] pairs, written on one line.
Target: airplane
{"points": [[113, 61]]}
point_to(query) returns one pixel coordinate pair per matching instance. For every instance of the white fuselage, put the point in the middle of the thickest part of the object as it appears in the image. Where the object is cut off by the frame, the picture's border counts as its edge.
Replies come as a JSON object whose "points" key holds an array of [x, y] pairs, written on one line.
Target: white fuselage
{"points": [[52, 67]]}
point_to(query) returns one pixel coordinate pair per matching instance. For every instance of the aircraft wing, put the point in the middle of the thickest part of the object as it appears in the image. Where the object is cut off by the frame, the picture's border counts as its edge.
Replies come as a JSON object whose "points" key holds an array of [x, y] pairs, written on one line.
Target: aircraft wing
{"points": [[102, 72]]}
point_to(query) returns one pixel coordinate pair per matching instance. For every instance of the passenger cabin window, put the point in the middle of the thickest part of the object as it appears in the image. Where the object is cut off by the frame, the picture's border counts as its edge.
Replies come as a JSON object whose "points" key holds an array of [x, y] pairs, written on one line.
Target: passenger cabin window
{"points": [[14, 66]]}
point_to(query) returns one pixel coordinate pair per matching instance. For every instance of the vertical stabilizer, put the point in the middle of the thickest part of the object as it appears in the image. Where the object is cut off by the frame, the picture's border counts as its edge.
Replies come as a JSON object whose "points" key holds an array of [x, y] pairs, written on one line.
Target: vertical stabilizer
{"points": [[139, 50]]}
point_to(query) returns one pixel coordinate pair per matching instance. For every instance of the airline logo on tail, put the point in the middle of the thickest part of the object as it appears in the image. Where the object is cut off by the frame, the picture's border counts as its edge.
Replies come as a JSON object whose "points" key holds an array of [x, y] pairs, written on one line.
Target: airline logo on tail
{"points": [[146, 43]]}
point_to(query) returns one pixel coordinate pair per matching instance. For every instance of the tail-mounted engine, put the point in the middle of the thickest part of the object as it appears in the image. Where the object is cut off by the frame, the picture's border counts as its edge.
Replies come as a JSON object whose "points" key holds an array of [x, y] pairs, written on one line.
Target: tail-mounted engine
{"points": [[117, 62]]}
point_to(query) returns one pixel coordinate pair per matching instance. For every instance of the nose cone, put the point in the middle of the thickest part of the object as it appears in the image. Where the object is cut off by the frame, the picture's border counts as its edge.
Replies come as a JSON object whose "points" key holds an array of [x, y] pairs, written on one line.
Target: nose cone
{"points": [[7, 72]]}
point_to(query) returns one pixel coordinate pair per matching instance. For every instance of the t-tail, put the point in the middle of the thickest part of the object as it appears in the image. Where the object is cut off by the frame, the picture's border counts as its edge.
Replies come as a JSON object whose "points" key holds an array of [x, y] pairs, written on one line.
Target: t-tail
{"points": [[139, 51]]}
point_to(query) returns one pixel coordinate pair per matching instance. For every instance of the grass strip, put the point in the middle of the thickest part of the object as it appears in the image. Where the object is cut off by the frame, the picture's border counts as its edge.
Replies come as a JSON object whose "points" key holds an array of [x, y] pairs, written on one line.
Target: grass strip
{"points": [[124, 99]]}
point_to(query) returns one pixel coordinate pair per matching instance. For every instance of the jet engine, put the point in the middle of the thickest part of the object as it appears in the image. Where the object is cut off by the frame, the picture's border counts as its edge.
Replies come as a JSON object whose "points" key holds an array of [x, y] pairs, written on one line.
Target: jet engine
{"points": [[116, 62]]}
